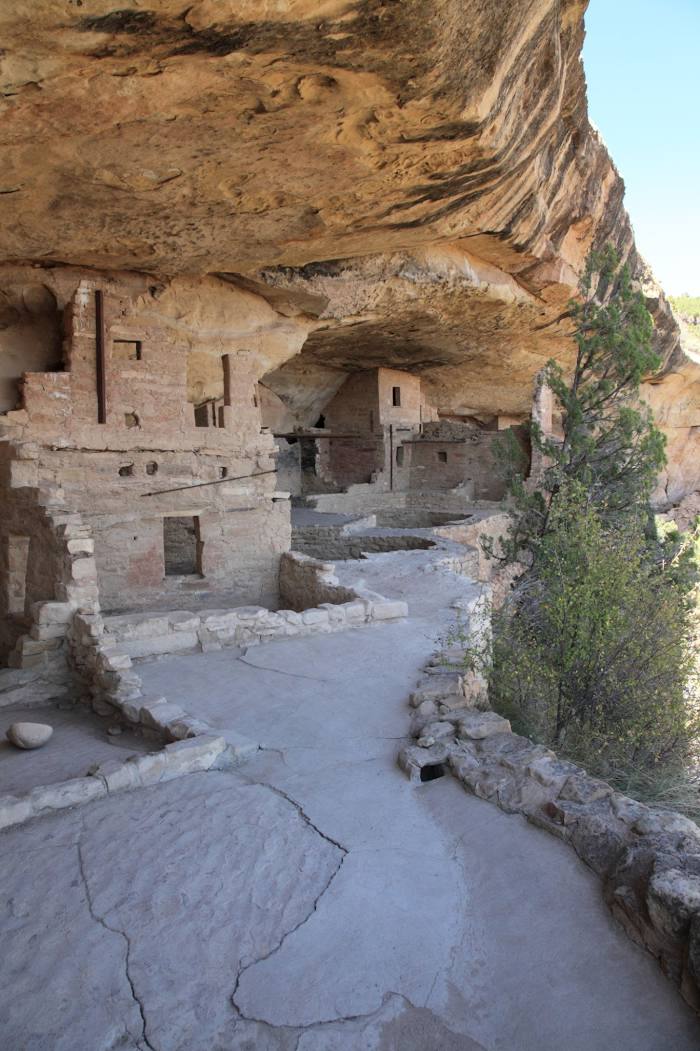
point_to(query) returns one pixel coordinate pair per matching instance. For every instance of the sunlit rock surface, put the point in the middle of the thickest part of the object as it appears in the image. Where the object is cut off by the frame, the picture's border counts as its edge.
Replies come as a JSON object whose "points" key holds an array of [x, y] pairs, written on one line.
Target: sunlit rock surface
{"points": [[415, 184]]}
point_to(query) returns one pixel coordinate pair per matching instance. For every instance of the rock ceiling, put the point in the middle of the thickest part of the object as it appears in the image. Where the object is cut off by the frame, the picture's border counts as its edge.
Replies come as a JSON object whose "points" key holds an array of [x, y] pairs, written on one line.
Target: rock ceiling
{"points": [[417, 179]]}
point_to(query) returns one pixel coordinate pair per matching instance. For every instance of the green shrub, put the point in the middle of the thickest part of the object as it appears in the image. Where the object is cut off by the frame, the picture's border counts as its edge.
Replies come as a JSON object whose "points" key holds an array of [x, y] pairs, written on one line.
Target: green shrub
{"points": [[594, 654]]}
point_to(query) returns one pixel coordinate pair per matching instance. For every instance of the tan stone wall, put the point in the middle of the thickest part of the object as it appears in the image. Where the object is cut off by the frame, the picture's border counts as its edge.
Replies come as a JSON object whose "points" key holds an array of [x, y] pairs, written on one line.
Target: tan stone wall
{"points": [[353, 410], [30, 559], [113, 473], [409, 412], [493, 526], [364, 405], [446, 465]]}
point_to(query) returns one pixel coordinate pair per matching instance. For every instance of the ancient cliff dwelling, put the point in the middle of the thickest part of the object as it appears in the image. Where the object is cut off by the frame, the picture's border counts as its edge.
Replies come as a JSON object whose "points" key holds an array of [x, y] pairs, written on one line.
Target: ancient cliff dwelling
{"points": [[276, 282]]}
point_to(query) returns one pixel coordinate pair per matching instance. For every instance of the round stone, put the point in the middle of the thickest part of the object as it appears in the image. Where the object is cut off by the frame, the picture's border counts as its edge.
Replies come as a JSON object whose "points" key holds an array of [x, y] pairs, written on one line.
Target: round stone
{"points": [[29, 735]]}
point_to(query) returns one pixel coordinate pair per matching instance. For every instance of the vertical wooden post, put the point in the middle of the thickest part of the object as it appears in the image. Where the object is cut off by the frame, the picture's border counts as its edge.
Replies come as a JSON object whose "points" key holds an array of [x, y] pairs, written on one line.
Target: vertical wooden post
{"points": [[226, 415], [391, 456], [101, 372], [226, 362]]}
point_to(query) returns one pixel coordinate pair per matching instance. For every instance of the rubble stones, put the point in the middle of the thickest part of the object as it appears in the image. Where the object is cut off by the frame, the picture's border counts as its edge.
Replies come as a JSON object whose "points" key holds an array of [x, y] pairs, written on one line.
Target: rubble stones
{"points": [[175, 760], [29, 735], [477, 725], [308, 589], [647, 858], [673, 900]]}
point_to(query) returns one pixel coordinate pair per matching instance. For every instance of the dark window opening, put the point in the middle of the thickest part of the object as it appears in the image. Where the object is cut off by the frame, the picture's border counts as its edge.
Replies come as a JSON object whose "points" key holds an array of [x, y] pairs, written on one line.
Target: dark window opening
{"points": [[207, 414], [202, 415], [126, 470], [151, 467], [320, 422], [396, 396], [16, 580], [126, 349], [399, 456], [442, 456], [432, 772], [223, 472], [182, 549]]}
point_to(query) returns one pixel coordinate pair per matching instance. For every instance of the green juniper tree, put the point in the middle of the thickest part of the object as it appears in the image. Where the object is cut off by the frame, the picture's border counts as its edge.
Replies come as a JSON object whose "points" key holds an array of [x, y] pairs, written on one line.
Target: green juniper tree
{"points": [[610, 445], [593, 653]]}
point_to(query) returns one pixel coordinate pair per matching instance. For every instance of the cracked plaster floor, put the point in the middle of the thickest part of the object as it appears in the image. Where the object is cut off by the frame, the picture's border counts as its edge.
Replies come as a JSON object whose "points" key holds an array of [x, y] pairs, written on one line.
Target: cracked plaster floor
{"points": [[314, 900]]}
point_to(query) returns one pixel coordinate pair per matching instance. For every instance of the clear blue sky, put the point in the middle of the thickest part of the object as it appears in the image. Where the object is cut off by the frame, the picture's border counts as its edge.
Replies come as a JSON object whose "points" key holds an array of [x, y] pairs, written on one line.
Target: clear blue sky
{"points": [[642, 61]]}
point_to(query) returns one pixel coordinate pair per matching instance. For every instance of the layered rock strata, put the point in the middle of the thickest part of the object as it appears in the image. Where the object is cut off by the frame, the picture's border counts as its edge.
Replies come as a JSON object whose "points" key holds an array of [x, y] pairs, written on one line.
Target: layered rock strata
{"points": [[407, 184]]}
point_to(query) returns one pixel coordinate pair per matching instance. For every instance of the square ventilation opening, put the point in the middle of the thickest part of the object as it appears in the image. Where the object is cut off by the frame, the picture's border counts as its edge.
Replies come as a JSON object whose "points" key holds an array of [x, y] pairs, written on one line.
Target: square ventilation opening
{"points": [[432, 772], [126, 349]]}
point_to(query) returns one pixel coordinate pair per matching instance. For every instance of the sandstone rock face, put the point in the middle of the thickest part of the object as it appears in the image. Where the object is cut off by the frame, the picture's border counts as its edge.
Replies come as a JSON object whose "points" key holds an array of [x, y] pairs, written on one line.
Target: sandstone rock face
{"points": [[409, 184], [29, 735]]}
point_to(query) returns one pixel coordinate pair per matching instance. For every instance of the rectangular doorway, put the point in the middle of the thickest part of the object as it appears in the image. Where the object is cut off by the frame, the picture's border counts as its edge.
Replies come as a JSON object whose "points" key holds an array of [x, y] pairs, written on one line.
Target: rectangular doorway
{"points": [[182, 549], [17, 562]]}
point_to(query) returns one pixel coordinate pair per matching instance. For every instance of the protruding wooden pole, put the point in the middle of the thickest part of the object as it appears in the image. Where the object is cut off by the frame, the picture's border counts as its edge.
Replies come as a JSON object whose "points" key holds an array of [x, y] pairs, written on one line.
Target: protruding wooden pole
{"points": [[101, 372], [391, 457], [226, 361]]}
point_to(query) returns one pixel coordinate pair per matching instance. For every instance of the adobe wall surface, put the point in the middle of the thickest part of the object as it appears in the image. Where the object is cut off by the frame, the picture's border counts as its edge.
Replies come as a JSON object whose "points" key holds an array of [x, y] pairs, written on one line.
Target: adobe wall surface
{"points": [[30, 553], [111, 465], [409, 411], [353, 410], [469, 462]]}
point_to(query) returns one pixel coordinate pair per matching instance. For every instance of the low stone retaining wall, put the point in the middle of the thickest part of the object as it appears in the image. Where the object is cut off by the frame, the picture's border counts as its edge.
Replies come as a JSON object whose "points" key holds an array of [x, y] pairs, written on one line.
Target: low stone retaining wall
{"points": [[493, 525], [333, 543], [101, 667], [318, 605], [175, 760], [370, 498], [648, 858]]}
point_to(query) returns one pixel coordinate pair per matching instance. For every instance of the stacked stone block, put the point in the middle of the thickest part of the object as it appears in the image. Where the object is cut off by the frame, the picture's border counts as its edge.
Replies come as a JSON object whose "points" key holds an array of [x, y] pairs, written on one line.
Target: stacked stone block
{"points": [[647, 857]]}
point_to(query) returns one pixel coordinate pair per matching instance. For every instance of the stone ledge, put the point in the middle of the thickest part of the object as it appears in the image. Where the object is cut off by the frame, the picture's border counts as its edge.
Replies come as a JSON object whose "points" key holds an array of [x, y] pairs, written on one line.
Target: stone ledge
{"points": [[174, 760], [142, 635]]}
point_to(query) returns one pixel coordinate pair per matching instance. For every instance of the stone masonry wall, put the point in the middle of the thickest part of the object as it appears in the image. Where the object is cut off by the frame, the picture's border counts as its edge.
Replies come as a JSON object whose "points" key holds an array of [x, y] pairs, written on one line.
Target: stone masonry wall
{"points": [[467, 460], [648, 858], [331, 544], [354, 410], [113, 473]]}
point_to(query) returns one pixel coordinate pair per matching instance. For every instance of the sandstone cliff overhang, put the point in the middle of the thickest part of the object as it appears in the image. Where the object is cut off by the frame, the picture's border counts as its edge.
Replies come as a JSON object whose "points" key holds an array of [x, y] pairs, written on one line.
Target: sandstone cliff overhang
{"points": [[417, 178]]}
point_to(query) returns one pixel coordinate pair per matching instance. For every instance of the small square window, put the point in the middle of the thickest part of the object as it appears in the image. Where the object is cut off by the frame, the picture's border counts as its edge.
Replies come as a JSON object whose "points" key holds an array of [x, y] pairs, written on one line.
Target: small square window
{"points": [[396, 396], [442, 456], [126, 349]]}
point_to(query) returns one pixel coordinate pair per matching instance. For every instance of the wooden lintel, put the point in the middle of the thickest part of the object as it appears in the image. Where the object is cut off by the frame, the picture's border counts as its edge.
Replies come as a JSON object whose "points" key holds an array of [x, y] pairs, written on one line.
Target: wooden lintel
{"points": [[100, 363], [326, 437]]}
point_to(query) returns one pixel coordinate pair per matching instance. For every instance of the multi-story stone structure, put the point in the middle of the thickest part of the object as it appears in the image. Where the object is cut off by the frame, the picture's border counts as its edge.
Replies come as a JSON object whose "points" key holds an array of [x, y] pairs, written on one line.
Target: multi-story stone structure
{"points": [[107, 457]]}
